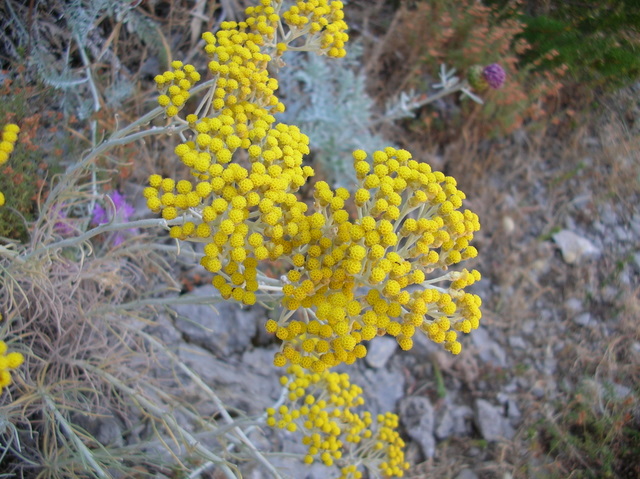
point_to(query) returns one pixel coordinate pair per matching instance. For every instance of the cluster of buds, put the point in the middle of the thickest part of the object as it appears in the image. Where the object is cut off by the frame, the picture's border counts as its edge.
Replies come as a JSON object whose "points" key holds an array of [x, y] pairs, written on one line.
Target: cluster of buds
{"points": [[174, 86], [361, 265], [321, 24], [375, 262], [9, 139], [373, 272], [326, 407]]}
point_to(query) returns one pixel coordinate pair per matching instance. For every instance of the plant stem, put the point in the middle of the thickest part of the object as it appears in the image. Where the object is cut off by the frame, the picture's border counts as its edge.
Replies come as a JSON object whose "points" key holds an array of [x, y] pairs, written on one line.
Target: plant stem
{"points": [[148, 223], [84, 450]]}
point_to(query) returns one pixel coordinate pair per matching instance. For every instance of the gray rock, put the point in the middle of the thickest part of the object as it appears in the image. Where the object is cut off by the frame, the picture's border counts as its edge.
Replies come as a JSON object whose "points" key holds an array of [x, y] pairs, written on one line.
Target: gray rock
{"points": [[607, 214], [453, 421], [381, 387], [573, 305], [491, 424], [462, 421], [528, 327], [488, 349], [467, 474], [574, 247], [249, 388], [622, 234], [105, 428], [444, 423], [380, 350], [511, 407], [223, 329], [416, 413], [609, 293], [538, 390], [635, 224], [517, 342], [164, 330], [610, 390], [583, 319], [550, 362]]}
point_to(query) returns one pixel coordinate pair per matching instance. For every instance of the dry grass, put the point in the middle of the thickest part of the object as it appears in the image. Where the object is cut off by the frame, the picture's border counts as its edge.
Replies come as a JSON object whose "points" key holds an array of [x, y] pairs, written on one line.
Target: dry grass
{"points": [[77, 313]]}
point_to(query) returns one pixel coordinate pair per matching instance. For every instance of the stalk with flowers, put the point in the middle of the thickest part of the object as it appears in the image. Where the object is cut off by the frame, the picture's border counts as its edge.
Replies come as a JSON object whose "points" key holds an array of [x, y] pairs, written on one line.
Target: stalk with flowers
{"points": [[406, 224], [381, 260]]}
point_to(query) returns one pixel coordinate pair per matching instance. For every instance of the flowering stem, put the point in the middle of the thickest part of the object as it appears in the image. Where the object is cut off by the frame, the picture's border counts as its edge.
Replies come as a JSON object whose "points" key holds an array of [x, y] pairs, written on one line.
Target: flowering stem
{"points": [[148, 223]]}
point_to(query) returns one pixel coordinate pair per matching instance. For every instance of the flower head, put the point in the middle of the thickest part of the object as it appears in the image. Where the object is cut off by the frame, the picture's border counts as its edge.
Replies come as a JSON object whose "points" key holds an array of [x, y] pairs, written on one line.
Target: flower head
{"points": [[325, 407], [495, 75]]}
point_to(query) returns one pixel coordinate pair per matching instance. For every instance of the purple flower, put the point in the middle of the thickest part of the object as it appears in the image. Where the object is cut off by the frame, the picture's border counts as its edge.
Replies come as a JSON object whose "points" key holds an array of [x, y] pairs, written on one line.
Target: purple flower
{"points": [[495, 75], [123, 212], [63, 225]]}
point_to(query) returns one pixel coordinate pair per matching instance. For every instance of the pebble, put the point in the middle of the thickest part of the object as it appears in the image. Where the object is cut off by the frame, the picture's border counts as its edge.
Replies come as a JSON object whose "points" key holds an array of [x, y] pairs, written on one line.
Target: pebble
{"points": [[574, 247], [453, 421], [583, 319], [416, 414], [529, 326], [517, 342], [635, 224], [538, 390], [622, 234], [444, 424], [488, 349], [223, 328], [491, 424], [379, 351], [467, 474], [573, 305], [511, 407], [508, 225]]}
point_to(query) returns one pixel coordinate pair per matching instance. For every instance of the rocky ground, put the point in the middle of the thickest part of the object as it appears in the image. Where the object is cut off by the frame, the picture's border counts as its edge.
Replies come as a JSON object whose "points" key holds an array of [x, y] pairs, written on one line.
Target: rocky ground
{"points": [[557, 353]]}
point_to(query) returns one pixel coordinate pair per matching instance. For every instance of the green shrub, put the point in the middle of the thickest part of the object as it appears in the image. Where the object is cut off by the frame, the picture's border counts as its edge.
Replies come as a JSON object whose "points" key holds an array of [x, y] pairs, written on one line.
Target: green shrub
{"points": [[599, 43]]}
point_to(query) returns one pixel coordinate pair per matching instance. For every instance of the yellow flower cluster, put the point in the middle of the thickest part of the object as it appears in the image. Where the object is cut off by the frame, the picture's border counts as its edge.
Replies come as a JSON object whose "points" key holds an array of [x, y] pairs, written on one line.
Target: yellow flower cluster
{"points": [[370, 263], [9, 139], [7, 363], [324, 406], [175, 85], [374, 274], [362, 265], [321, 23], [241, 210]]}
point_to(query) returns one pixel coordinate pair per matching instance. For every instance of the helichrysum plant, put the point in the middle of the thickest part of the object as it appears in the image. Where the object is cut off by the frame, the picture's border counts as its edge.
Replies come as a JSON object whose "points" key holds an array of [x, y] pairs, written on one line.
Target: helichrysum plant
{"points": [[378, 260]]}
